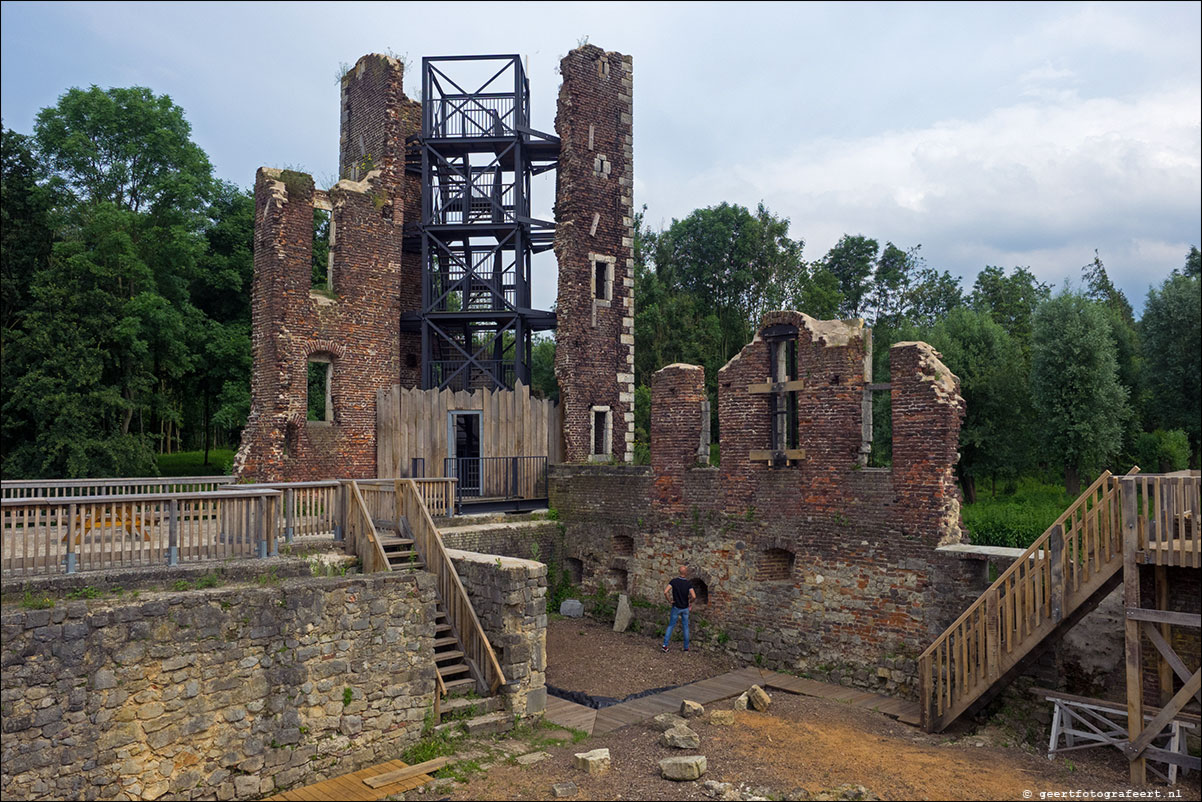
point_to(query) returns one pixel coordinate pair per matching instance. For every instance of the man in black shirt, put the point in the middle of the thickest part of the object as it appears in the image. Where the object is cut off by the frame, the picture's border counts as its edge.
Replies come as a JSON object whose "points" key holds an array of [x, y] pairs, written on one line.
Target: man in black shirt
{"points": [[681, 594]]}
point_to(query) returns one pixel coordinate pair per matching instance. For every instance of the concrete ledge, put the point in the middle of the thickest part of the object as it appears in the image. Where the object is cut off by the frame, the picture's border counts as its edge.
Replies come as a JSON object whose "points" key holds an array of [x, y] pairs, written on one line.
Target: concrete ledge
{"points": [[967, 551], [495, 559]]}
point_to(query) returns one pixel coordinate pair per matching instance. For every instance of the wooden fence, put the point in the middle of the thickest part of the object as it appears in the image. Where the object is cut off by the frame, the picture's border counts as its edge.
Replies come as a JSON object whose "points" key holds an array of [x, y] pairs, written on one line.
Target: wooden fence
{"points": [[412, 424], [308, 508], [60, 488], [63, 535], [437, 494]]}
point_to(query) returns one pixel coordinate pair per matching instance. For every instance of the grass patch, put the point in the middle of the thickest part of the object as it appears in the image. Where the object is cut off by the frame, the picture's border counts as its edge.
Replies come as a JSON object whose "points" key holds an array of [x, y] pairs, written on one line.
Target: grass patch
{"points": [[191, 463], [428, 748], [40, 601], [1015, 519], [459, 772]]}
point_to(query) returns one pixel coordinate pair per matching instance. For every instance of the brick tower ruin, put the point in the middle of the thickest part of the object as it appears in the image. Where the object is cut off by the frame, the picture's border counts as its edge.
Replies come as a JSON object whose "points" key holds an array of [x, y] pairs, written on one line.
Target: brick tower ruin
{"points": [[357, 331], [594, 239], [352, 325]]}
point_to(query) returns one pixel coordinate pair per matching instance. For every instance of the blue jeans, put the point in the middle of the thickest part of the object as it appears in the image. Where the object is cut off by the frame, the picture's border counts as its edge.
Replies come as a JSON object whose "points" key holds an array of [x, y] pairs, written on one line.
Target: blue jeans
{"points": [[683, 615]]}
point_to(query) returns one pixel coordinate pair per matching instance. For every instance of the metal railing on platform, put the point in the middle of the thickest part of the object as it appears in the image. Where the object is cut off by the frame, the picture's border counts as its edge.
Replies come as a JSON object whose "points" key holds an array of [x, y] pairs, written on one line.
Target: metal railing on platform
{"points": [[497, 478]]}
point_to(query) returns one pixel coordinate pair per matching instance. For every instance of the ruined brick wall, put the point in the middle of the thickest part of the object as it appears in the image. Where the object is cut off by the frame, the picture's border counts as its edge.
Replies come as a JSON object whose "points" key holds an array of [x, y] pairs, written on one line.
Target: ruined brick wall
{"points": [[594, 212], [678, 392], [927, 413], [372, 282], [867, 589], [355, 327]]}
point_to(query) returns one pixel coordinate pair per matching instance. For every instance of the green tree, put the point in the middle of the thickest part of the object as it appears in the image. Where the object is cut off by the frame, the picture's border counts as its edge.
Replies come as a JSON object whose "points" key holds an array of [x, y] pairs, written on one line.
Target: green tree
{"points": [[26, 230], [1172, 328], [852, 261], [1010, 300], [995, 439], [1074, 380], [98, 367]]}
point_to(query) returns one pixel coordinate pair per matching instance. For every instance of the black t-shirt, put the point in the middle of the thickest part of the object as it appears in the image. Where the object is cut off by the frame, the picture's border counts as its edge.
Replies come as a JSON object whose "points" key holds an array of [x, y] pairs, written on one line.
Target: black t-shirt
{"points": [[680, 592]]}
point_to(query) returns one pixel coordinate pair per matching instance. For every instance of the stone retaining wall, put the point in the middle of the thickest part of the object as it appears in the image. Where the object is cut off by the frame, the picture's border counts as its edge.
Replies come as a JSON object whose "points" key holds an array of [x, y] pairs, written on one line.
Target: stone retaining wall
{"points": [[230, 692], [510, 599]]}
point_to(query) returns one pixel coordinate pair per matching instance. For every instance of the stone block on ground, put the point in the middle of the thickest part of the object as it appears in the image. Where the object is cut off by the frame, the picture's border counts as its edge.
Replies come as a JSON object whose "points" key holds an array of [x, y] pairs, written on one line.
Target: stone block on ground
{"points": [[594, 762], [571, 608], [740, 702], [680, 737], [722, 718], [561, 790], [532, 758], [845, 792], [690, 709], [758, 698], [666, 721], [624, 614], [682, 769]]}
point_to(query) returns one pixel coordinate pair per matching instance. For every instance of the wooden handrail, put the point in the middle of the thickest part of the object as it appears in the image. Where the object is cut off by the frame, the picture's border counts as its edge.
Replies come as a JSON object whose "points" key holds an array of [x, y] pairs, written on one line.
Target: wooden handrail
{"points": [[1074, 556], [460, 613], [363, 536]]}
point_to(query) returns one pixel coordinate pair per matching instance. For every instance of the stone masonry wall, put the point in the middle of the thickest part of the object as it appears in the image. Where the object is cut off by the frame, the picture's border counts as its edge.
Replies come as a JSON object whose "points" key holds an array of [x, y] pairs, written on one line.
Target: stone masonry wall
{"points": [[230, 692], [509, 596], [541, 541], [594, 212], [867, 590]]}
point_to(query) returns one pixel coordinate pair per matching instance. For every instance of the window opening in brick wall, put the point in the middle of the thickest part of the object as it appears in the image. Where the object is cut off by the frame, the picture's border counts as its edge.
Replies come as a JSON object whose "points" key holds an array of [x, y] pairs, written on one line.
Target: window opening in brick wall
{"points": [[877, 413], [320, 401], [575, 570], [702, 589], [623, 545], [602, 433], [617, 580], [323, 240], [783, 386], [774, 565], [601, 286]]}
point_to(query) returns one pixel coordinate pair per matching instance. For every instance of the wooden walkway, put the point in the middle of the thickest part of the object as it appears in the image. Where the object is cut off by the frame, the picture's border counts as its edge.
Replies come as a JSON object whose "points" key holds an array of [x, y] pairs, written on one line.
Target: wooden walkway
{"points": [[715, 689], [351, 788]]}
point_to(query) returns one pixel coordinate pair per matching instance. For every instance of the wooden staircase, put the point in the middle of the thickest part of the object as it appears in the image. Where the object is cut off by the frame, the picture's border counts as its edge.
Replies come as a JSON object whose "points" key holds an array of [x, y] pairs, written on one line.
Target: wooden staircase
{"points": [[1063, 576], [402, 554], [391, 529]]}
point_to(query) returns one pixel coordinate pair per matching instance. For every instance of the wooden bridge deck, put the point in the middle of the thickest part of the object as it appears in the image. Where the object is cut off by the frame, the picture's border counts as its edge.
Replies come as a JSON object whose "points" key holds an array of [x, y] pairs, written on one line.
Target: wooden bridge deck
{"points": [[715, 689], [352, 788]]}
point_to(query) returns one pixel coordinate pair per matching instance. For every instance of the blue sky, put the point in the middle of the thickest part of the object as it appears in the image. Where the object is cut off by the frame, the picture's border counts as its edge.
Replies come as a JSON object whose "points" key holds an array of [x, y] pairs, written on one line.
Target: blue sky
{"points": [[1010, 134]]}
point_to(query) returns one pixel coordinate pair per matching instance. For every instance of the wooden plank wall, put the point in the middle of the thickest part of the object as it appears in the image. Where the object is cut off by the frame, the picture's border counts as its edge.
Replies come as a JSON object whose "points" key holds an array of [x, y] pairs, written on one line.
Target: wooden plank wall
{"points": [[413, 423]]}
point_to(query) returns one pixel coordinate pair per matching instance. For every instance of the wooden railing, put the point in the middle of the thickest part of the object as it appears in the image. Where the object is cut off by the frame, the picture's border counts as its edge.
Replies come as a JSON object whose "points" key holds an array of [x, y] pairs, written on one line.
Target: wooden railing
{"points": [[62, 488], [411, 506], [81, 533], [1077, 554], [309, 508], [438, 494], [1167, 509], [362, 539]]}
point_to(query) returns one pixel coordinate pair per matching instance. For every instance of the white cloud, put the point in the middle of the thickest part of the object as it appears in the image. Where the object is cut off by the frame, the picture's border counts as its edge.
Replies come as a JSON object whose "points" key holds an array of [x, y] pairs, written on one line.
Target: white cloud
{"points": [[1033, 183]]}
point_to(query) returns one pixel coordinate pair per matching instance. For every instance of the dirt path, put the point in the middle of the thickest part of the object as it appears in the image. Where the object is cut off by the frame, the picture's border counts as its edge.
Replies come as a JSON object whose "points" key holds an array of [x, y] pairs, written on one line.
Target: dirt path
{"points": [[800, 748], [585, 656]]}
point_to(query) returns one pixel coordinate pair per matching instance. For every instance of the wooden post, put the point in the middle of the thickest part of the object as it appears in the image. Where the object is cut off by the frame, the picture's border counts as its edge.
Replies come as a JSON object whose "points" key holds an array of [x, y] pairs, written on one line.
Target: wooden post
{"points": [[289, 513], [1056, 573], [1135, 679], [173, 533], [72, 567], [1164, 672], [340, 527], [993, 659]]}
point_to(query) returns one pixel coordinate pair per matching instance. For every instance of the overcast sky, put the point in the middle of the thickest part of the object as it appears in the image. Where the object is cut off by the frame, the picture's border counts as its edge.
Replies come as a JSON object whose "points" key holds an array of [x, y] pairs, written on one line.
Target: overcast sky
{"points": [[1012, 134]]}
